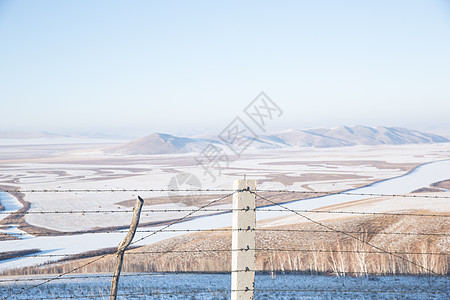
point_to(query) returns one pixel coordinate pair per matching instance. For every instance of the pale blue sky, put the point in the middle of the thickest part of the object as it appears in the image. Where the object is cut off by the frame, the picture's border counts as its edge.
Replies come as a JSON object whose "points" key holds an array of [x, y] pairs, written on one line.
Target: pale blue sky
{"points": [[181, 66]]}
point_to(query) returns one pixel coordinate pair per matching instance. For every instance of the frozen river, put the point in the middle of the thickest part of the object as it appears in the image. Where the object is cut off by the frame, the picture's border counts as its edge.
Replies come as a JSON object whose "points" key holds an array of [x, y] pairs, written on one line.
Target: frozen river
{"points": [[10, 203]]}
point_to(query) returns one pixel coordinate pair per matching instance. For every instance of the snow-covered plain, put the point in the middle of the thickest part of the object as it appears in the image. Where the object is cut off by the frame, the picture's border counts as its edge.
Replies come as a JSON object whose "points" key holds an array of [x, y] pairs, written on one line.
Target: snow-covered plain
{"points": [[93, 170]]}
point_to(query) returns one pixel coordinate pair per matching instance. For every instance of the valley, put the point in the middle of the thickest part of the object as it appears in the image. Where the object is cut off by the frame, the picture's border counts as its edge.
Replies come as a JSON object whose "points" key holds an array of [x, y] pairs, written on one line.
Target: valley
{"points": [[97, 189]]}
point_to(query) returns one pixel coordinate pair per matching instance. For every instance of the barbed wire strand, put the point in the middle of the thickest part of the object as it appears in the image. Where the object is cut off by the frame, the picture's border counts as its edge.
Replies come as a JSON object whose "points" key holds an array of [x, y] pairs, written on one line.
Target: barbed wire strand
{"points": [[40, 277], [122, 231], [255, 249], [104, 255], [322, 193], [227, 210], [346, 212], [350, 193], [78, 256], [349, 235]]}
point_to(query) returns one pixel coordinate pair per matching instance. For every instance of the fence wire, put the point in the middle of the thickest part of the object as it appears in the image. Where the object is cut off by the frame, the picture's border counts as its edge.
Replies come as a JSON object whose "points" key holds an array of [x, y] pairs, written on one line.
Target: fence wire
{"points": [[190, 212], [123, 231], [227, 210], [276, 191], [246, 249]]}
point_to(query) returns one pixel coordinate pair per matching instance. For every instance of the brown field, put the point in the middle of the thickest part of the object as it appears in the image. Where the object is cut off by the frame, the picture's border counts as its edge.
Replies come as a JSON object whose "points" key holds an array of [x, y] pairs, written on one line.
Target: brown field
{"points": [[19, 253], [444, 184], [427, 190], [435, 187]]}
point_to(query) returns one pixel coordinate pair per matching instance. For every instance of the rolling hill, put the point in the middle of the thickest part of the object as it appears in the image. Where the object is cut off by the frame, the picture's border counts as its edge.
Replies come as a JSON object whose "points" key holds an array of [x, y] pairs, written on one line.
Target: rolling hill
{"points": [[160, 143]]}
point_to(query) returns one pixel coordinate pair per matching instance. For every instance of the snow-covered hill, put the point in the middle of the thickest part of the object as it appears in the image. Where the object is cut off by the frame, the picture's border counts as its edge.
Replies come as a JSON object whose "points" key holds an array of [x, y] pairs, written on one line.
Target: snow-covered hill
{"points": [[159, 143]]}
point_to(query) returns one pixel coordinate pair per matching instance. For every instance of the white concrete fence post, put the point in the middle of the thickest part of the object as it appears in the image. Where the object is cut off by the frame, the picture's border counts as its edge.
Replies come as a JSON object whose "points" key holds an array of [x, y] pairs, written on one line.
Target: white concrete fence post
{"points": [[243, 241]]}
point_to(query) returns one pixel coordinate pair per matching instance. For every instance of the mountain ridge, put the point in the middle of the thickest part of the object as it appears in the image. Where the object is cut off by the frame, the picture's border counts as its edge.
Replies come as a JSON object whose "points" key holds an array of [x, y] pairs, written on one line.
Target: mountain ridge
{"points": [[342, 136]]}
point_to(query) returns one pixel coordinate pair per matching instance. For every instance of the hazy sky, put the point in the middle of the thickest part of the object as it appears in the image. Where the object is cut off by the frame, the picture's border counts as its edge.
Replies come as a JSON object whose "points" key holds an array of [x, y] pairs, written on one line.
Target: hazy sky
{"points": [[181, 66]]}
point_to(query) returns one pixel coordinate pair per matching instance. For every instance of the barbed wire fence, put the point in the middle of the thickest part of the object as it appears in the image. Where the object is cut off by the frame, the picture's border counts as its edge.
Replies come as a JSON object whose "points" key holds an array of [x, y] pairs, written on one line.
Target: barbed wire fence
{"points": [[273, 207]]}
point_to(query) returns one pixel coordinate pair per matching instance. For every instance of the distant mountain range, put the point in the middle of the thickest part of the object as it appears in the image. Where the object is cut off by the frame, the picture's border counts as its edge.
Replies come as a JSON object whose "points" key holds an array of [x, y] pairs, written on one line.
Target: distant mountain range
{"points": [[159, 143]]}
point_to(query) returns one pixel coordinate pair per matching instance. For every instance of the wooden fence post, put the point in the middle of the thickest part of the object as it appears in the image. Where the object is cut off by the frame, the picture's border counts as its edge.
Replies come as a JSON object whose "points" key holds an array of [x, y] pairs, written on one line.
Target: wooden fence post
{"points": [[243, 241], [123, 246]]}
